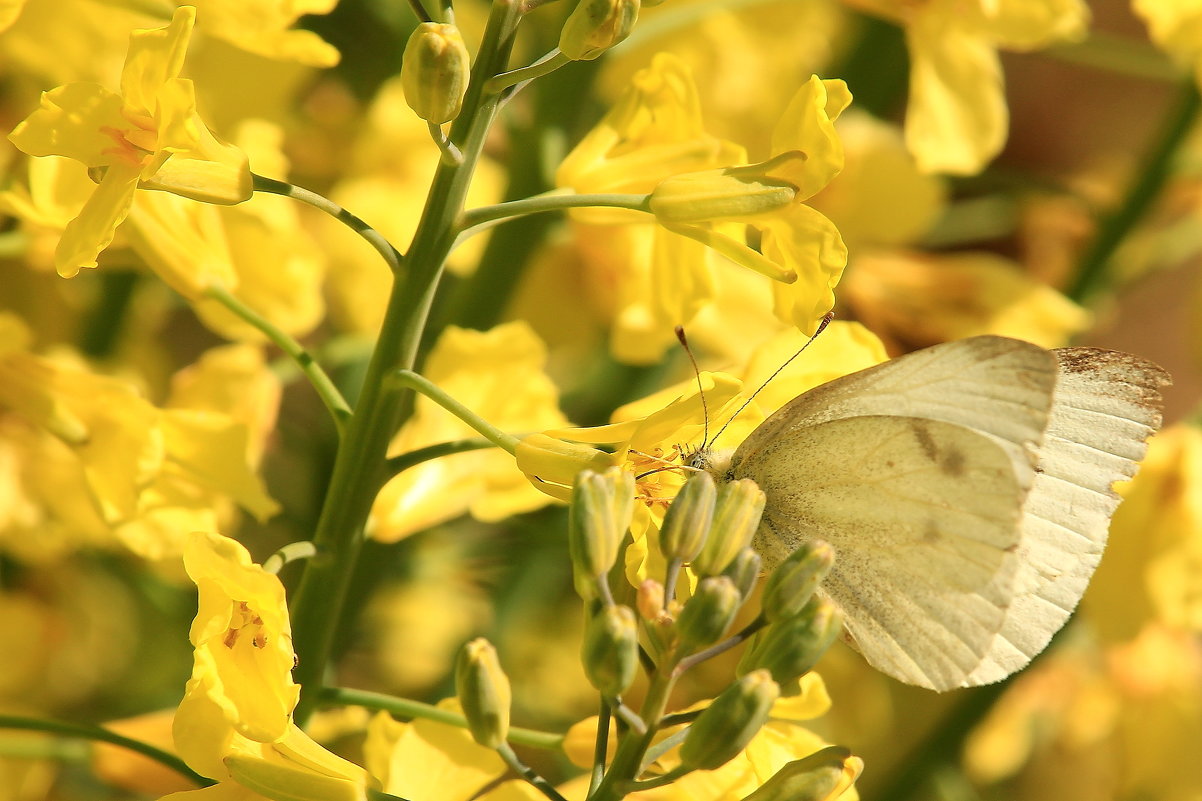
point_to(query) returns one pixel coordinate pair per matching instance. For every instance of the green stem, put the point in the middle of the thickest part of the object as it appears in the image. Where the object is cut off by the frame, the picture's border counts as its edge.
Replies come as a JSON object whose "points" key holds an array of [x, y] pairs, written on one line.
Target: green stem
{"points": [[629, 757], [329, 394], [399, 464], [1152, 175], [555, 200], [450, 153], [544, 66], [104, 735], [410, 379], [292, 552], [360, 465], [600, 749], [526, 772], [660, 781], [373, 237], [405, 708]]}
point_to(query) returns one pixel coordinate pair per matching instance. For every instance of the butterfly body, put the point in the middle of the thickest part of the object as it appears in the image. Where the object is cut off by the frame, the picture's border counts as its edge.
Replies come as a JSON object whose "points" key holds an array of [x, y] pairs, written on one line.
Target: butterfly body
{"points": [[966, 490]]}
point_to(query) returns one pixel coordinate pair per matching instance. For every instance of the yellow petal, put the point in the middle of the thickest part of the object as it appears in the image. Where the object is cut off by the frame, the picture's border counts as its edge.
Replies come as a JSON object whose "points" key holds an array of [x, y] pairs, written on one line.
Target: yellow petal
{"points": [[93, 230], [808, 126], [809, 243], [79, 121], [156, 56]]}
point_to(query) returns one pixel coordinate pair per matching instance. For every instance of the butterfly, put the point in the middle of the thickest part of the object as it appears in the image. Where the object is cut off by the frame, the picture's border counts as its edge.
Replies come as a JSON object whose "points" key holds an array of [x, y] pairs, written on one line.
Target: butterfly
{"points": [[966, 490]]}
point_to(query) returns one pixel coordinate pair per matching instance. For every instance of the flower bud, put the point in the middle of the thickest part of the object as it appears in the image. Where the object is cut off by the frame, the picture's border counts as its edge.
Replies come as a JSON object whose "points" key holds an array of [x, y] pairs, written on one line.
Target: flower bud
{"points": [[791, 647], [736, 517], [792, 584], [435, 71], [727, 725], [594, 26], [602, 505], [708, 614], [822, 776], [725, 194], [483, 690], [744, 571], [688, 520], [650, 599], [610, 652]]}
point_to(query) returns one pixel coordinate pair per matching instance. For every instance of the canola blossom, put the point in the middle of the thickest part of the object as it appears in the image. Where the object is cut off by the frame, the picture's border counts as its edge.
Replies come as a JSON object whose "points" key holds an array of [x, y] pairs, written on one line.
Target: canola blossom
{"points": [[484, 400]]}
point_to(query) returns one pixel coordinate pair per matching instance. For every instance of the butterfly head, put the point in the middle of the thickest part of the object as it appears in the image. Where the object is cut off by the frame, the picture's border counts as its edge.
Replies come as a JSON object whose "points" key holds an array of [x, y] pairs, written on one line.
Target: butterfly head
{"points": [[716, 462]]}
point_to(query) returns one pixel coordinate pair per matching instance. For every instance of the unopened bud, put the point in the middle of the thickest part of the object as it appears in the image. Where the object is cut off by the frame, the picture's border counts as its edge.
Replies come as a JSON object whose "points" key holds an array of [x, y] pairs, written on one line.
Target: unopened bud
{"points": [[725, 194], [708, 614], [610, 653], [737, 514], [822, 776], [594, 26], [435, 71], [791, 647], [688, 520], [483, 690], [744, 571], [650, 599], [602, 505], [727, 725], [792, 584]]}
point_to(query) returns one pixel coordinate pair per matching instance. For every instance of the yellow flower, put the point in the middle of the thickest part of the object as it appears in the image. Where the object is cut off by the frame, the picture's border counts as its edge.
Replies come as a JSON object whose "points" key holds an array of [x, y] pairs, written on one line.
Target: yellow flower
{"points": [[914, 301], [265, 27], [149, 135], [956, 119], [150, 473], [499, 375], [1173, 25], [429, 761]]}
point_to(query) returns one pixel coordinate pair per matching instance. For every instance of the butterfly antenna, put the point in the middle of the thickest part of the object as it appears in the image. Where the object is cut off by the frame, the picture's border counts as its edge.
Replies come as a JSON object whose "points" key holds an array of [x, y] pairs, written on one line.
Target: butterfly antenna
{"points": [[705, 412], [826, 319]]}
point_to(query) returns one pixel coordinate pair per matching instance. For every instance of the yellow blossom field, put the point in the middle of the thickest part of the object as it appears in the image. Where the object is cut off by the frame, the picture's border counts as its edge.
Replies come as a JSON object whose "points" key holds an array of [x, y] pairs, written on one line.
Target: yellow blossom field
{"points": [[587, 400]]}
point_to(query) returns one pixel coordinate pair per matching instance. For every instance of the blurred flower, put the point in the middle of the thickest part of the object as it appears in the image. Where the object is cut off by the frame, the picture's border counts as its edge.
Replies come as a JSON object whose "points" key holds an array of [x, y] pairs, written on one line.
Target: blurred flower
{"points": [[429, 761], [499, 375], [150, 474], [1174, 26], [956, 119], [148, 136]]}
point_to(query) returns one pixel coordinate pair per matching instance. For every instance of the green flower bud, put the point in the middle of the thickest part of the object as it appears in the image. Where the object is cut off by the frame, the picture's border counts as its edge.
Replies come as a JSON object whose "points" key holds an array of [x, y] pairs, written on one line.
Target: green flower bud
{"points": [[727, 725], [688, 520], [736, 517], [821, 776], [792, 584], [744, 571], [602, 505], [791, 647], [708, 614], [611, 650], [435, 71], [483, 690], [725, 194], [594, 26]]}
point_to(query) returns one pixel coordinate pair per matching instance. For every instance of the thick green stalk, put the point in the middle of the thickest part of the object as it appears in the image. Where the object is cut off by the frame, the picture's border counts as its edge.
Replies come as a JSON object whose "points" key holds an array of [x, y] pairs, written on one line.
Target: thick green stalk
{"points": [[629, 756], [359, 468]]}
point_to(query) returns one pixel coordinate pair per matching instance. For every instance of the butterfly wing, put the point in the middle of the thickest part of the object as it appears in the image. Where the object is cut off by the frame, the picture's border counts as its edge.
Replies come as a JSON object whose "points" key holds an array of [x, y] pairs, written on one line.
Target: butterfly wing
{"points": [[924, 519], [988, 395], [1105, 407]]}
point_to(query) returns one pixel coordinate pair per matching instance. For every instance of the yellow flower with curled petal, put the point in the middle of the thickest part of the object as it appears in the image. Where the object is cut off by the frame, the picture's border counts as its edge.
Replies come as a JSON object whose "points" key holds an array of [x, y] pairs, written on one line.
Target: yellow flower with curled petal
{"points": [[801, 249], [956, 119], [149, 135], [498, 374]]}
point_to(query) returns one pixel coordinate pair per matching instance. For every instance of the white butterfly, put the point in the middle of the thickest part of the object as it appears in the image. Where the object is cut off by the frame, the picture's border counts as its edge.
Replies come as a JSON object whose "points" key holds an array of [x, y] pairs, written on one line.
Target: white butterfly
{"points": [[966, 490]]}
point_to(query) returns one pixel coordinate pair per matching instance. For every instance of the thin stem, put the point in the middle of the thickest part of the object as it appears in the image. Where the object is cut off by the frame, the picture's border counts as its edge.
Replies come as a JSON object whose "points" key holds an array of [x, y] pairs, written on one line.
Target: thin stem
{"points": [[450, 153], [292, 552], [399, 464], [104, 735], [629, 716], [659, 781], [419, 11], [406, 708], [360, 465], [629, 757], [339, 409], [526, 772], [743, 635], [412, 380], [600, 748], [1151, 177], [373, 237], [544, 66], [555, 200]]}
